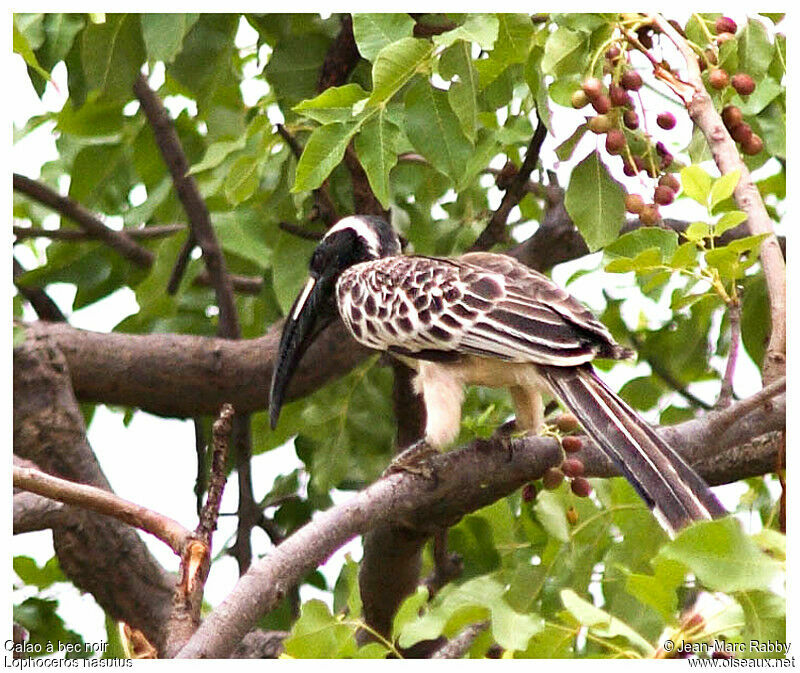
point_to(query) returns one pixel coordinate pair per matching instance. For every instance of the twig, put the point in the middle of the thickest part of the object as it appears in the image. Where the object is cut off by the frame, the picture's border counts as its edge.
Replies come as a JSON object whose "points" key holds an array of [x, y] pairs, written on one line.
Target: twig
{"points": [[44, 306], [193, 203], [720, 421], [447, 567], [118, 240], [458, 646], [726, 389], [98, 500], [248, 512], [196, 558], [300, 232], [139, 233], [495, 231], [181, 262], [746, 195]]}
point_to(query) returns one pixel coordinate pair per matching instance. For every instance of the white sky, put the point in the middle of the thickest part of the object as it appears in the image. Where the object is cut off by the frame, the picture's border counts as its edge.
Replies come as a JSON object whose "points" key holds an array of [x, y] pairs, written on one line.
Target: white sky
{"points": [[127, 454]]}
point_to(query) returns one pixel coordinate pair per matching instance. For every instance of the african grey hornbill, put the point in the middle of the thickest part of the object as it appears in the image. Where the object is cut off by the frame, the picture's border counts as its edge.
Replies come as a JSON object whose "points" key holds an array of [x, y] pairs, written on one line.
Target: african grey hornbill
{"points": [[483, 319]]}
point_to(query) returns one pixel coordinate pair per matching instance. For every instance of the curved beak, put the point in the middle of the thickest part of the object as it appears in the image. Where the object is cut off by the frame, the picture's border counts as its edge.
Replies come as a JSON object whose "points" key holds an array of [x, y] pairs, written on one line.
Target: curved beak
{"points": [[310, 313]]}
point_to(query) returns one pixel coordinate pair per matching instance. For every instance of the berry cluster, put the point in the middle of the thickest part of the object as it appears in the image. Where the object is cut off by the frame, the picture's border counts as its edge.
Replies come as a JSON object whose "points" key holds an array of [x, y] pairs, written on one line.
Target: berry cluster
{"points": [[571, 468], [619, 121]]}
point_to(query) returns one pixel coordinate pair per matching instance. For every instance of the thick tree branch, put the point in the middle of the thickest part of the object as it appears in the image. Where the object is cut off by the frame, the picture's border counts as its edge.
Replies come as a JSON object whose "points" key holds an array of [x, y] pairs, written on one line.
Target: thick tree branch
{"points": [[202, 230], [99, 554], [101, 501], [726, 156], [118, 240], [184, 375], [467, 480]]}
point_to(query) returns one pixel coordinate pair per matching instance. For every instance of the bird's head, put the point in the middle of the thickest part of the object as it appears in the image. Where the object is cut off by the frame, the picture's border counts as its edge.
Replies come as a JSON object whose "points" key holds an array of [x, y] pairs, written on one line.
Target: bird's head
{"points": [[352, 240]]}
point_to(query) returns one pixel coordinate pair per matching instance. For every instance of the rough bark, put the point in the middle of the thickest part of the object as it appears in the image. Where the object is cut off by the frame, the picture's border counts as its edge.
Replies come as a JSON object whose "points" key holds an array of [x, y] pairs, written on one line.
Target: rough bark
{"points": [[99, 554]]}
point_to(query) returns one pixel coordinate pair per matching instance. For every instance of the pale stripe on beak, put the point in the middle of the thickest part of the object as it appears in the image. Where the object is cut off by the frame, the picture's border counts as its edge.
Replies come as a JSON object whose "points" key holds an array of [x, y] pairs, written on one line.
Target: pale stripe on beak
{"points": [[301, 301]]}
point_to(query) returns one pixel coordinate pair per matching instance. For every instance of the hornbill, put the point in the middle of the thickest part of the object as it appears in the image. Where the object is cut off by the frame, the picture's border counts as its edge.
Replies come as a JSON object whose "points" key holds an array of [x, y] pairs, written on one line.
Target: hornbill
{"points": [[484, 319]]}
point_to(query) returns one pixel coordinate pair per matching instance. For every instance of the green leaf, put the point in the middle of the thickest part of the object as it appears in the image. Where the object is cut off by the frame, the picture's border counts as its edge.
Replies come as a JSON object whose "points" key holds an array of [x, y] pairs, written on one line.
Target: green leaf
{"points": [[22, 47], [41, 578], [595, 202], [322, 153], [395, 65], [112, 54], [659, 590], [18, 336], [459, 606], [564, 52], [335, 104], [409, 610], [40, 618], [755, 49], [216, 154], [723, 187], [163, 34], [696, 184], [293, 68], [479, 28], [245, 237], [376, 146], [92, 119], [685, 256], [601, 623], [290, 268], [643, 392], [317, 634], [60, 31], [564, 150], [697, 231], [242, 179], [513, 45], [755, 317], [456, 62], [644, 238], [434, 130], [550, 513], [722, 557], [374, 31], [729, 221]]}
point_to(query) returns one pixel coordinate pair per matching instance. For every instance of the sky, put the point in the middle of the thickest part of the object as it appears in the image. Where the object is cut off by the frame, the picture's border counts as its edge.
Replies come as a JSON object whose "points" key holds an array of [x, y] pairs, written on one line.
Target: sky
{"points": [[126, 454]]}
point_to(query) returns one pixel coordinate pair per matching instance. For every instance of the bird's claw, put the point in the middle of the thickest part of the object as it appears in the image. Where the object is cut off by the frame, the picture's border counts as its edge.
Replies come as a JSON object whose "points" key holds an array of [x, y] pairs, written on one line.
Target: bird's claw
{"points": [[414, 459]]}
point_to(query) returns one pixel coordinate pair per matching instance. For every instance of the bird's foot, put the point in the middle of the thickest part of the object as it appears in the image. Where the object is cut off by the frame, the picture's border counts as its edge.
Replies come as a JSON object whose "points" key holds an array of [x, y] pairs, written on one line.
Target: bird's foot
{"points": [[414, 459]]}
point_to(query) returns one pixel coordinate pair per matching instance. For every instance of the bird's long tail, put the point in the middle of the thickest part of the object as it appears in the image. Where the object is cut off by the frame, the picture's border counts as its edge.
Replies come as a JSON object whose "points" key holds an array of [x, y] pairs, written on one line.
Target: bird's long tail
{"points": [[676, 493]]}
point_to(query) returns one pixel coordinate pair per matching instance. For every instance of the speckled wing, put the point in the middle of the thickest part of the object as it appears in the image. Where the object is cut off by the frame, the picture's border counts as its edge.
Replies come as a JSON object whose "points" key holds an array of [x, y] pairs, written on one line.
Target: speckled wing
{"points": [[478, 304]]}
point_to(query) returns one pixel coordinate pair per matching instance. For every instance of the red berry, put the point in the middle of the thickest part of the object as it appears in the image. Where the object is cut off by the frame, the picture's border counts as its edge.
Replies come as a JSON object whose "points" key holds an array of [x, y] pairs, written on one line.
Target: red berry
{"points": [[628, 168], [731, 116], [725, 25], [718, 78], [567, 422], [741, 132], [612, 53], [615, 141], [592, 87], [581, 487], [666, 120], [743, 84], [753, 145], [601, 103], [572, 516], [645, 35], [630, 119], [669, 180], [650, 214], [552, 478], [663, 196], [529, 492], [571, 444], [634, 203], [631, 80], [619, 96], [572, 467]]}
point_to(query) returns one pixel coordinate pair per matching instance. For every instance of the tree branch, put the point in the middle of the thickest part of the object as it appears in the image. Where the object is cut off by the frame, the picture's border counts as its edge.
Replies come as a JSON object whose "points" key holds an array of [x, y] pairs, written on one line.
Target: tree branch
{"points": [[169, 531], [44, 306], [118, 240], [495, 231], [193, 203], [746, 195], [138, 233], [468, 479]]}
